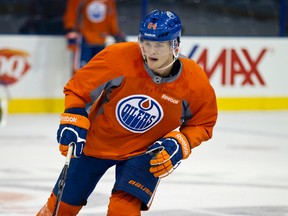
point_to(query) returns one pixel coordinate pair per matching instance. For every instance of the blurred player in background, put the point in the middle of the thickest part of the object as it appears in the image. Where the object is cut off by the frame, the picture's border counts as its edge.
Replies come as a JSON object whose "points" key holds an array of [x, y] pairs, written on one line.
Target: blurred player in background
{"points": [[139, 107], [88, 23]]}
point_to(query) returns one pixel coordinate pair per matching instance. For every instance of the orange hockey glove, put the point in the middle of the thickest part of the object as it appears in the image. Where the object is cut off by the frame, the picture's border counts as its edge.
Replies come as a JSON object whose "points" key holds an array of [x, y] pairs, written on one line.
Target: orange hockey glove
{"points": [[74, 124], [168, 153]]}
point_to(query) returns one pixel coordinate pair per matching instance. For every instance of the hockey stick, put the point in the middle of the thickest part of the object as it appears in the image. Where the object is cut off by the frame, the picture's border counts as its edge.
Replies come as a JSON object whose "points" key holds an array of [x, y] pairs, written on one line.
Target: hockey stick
{"points": [[61, 183]]}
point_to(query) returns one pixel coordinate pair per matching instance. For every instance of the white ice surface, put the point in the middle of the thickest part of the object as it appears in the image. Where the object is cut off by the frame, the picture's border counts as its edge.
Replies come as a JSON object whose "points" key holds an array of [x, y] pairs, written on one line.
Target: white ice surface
{"points": [[242, 170]]}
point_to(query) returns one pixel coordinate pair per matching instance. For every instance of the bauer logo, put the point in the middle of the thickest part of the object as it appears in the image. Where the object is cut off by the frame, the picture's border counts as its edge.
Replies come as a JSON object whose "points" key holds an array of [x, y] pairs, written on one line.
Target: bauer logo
{"points": [[138, 113], [13, 65]]}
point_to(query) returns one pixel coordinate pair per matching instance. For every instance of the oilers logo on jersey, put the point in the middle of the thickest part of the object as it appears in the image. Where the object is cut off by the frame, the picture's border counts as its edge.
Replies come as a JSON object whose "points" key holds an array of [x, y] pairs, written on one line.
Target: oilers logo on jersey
{"points": [[96, 12], [138, 113]]}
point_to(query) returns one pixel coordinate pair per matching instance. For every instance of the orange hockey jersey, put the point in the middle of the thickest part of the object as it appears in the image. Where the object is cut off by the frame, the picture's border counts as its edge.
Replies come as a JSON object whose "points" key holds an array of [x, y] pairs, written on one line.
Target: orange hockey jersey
{"points": [[130, 107], [95, 19]]}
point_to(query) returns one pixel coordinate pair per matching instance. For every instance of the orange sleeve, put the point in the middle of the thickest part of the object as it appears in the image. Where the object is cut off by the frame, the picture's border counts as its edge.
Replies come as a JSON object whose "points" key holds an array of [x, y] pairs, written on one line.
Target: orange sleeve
{"points": [[200, 127], [203, 107], [71, 14]]}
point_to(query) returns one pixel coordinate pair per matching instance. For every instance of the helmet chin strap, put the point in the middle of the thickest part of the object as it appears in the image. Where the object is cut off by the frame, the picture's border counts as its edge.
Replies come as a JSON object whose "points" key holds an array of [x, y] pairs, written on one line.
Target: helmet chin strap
{"points": [[163, 68], [175, 55]]}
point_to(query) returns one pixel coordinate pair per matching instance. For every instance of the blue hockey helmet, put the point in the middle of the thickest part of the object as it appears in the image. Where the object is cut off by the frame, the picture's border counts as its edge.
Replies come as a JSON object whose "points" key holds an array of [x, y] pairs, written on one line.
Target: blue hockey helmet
{"points": [[160, 26]]}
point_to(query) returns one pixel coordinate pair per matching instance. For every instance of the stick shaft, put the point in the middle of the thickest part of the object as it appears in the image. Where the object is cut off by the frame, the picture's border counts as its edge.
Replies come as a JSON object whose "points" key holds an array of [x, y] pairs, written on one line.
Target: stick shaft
{"points": [[61, 183]]}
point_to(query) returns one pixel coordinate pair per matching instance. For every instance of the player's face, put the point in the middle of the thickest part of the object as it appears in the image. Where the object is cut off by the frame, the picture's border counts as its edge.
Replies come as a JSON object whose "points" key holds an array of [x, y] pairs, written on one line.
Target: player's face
{"points": [[158, 55]]}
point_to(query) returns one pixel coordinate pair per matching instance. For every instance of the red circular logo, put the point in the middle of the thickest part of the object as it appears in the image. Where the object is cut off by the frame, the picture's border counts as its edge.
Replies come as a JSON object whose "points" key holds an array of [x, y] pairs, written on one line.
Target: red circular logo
{"points": [[13, 65]]}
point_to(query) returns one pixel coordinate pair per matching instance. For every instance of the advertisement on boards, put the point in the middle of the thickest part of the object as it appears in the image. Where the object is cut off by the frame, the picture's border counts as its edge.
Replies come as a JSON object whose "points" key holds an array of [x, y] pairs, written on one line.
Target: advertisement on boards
{"points": [[246, 67], [246, 73], [33, 71]]}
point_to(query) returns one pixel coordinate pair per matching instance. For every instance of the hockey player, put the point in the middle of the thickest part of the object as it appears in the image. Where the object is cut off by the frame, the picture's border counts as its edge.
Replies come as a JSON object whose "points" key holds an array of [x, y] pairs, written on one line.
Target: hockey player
{"points": [[140, 107], [88, 23]]}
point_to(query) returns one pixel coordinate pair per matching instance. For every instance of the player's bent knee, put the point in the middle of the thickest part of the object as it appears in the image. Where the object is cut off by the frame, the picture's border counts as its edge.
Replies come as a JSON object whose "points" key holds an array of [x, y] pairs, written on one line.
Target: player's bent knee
{"points": [[64, 208], [123, 204]]}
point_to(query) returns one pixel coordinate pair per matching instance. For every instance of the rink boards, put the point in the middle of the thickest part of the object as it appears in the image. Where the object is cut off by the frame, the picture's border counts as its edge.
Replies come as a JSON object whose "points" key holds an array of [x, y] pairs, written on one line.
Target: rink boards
{"points": [[246, 73]]}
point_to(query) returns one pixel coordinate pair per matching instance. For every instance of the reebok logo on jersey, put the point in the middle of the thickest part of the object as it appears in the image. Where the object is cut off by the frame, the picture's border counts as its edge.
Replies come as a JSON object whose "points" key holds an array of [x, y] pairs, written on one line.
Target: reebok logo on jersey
{"points": [[170, 99], [138, 113]]}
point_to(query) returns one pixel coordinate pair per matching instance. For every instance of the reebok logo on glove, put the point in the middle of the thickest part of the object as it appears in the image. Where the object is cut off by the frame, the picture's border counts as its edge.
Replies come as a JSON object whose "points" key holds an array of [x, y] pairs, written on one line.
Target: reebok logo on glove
{"points": [[186, 150], [77, 120], [68, 119], [182, 140]]}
